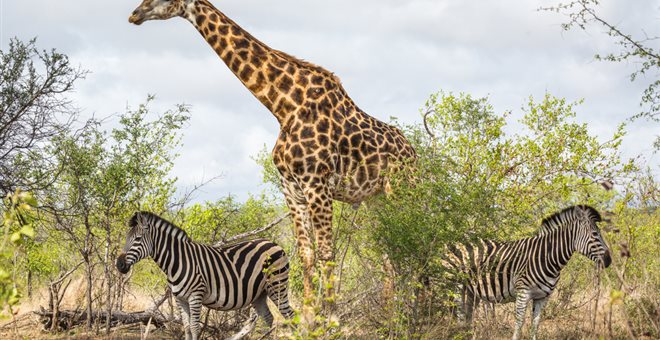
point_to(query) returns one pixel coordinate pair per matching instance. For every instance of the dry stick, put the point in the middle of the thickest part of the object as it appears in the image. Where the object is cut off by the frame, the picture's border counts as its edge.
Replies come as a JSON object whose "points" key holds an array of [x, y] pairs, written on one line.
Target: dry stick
{"points": [[159, 302], [622, 288], [266, 334], [55, 292], [341, 263], [253, 232], [343, 257], [146, 330], [595, 310], [65, 275]]}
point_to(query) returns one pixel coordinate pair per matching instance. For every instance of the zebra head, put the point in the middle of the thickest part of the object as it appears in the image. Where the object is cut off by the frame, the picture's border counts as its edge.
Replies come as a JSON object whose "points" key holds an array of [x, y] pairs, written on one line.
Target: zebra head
{"points": [[138, 242], [588, 239]]}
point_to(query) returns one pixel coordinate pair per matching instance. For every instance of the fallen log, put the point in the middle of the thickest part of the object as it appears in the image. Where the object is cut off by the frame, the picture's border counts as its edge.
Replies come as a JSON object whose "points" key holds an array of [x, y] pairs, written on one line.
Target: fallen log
{"points": [[68, 319]]}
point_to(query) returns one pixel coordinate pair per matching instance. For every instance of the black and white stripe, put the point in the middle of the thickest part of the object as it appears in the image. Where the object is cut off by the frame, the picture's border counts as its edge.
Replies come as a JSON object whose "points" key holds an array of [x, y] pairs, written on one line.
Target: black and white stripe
{"points": [[526, 269], [226, 278]]}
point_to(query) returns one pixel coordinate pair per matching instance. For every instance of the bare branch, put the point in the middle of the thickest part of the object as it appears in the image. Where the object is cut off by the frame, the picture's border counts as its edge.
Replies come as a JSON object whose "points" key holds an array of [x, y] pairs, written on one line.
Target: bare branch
{"points": [[253, 232]]}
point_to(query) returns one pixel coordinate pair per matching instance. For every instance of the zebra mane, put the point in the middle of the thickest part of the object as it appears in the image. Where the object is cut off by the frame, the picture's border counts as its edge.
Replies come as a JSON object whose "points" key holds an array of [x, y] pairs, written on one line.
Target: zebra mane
{"points": [[151, 220], [557, 220]]}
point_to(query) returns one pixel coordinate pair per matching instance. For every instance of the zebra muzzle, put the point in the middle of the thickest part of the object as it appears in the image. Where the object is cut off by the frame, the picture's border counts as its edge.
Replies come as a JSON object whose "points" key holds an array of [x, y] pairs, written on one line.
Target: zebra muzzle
{"points": [[607, 259], [121, 264]]}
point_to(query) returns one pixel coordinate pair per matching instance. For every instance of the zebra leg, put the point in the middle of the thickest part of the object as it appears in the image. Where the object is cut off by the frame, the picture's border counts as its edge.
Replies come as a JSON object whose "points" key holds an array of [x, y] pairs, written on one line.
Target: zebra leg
{"points": [[459, 303], [184, 307], [261, 305], [536, 315], [195, 302], [522, 299], [278, 292], [470, 301]]}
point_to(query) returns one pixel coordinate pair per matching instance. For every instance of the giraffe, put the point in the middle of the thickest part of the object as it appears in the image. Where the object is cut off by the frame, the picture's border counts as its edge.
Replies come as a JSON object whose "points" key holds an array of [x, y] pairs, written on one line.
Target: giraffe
{"points": [[328, 148]]}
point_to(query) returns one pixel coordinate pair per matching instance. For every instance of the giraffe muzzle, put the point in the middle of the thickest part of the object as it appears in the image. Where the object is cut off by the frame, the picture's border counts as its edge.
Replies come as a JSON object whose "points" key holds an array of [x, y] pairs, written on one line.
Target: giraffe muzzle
{"points": [[136, 18]]}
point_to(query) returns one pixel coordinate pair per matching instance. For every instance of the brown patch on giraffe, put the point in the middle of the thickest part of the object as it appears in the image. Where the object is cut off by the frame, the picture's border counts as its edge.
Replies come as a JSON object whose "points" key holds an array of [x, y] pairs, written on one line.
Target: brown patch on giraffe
{"points": [[200, 19], [212, 39], [256, 60], [284, 84], [247, 71], [242, 55], [240, 43], [273, 72]]}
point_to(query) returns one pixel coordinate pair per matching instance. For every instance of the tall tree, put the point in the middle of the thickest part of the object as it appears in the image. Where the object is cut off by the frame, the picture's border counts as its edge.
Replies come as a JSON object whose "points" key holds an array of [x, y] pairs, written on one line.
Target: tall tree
{"points": [[106, 177], [636, 49], [33, 109]]}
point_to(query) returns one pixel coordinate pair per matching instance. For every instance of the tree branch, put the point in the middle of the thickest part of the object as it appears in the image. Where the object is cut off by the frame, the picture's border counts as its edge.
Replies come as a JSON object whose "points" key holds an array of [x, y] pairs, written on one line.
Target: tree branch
{"points": [[253, 232]]}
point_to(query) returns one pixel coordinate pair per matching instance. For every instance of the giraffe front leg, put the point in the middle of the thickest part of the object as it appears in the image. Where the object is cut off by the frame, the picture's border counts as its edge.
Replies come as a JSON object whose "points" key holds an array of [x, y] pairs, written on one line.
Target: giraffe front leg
{"points": [[536, 315], [298, 208], [184, 307], [320, 214], [522, 299]]}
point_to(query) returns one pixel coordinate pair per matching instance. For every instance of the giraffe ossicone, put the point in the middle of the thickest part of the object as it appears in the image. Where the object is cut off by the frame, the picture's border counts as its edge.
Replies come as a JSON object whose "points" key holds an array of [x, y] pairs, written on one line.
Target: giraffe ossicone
{"points": [[327, 148]]}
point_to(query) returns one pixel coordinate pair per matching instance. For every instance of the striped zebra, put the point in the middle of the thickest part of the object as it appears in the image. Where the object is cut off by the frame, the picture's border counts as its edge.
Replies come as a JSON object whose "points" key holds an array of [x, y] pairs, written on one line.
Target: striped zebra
{"points": [[526, 269], [222, 278]]}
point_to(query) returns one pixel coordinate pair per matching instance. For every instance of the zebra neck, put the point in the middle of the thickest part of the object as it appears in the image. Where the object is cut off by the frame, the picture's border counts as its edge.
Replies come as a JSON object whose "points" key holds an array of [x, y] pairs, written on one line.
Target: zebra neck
{"points": [[169, 246], [560, 249]]}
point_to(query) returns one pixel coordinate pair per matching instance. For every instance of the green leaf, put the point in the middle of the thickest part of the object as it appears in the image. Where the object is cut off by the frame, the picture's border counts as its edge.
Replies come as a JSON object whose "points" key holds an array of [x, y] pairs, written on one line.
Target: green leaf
{"points": [[27, 231], [15, 237]]}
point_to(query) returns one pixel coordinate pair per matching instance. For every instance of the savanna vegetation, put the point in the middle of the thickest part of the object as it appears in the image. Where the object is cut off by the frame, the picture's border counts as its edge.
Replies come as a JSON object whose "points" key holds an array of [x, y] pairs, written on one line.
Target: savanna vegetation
{"points": [[69, 187]]}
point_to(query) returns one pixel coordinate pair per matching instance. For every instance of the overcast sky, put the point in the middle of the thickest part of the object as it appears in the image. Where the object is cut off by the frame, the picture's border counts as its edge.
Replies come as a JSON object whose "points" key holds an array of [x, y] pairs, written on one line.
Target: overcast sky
{"points": [[390, 54]]}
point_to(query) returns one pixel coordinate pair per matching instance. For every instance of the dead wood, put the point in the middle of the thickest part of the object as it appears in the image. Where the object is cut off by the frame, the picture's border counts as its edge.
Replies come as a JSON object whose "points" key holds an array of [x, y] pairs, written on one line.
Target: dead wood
{"points": [[68, 319]]}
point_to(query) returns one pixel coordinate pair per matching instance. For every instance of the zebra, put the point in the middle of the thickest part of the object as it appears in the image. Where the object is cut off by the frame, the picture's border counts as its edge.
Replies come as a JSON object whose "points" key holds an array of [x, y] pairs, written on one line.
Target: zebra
{"points": [[223, 278], [526, 269]]}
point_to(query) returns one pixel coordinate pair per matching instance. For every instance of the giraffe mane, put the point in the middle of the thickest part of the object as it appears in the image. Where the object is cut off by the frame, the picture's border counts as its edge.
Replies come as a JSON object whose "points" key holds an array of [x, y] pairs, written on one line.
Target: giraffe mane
{"points": [[299, 62], [556, 220], [135, 219], [307, 64]]}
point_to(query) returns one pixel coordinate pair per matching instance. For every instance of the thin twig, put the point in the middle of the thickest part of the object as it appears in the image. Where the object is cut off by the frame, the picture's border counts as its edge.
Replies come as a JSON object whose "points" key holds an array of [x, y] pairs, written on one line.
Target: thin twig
{"points": [[253, 232]]}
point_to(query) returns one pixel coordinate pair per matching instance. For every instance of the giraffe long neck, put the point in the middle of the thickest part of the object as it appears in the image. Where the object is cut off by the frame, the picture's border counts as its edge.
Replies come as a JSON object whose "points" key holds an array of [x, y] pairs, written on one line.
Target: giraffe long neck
{"points": [[261, 69]]}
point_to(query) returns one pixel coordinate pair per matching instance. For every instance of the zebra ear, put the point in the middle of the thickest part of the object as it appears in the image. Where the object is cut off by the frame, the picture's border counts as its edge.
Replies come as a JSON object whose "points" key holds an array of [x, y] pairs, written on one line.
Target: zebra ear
{"points": [[134, 220], [144, 221], [138, 219]]}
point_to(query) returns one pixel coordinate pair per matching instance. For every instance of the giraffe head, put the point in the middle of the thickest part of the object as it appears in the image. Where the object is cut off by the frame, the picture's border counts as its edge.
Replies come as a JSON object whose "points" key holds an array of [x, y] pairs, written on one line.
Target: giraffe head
{"points": [[158, 10]]}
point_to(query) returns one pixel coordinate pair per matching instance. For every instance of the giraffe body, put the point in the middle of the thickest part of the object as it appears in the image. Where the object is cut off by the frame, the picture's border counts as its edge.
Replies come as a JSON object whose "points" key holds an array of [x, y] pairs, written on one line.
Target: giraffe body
{"points": [[327, 147]]}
